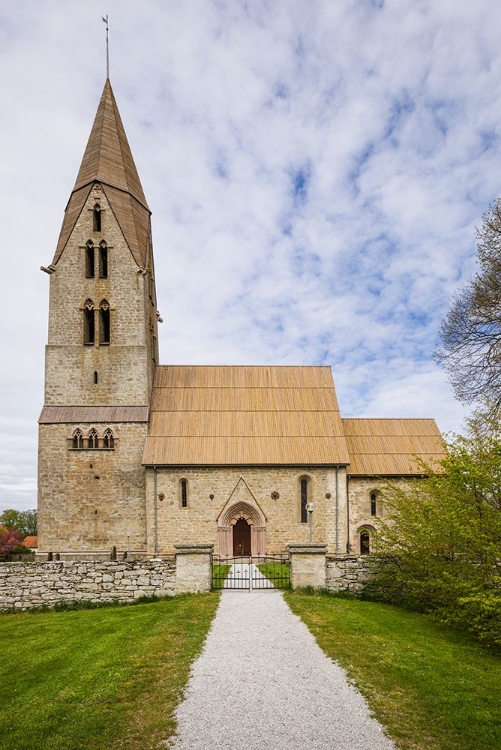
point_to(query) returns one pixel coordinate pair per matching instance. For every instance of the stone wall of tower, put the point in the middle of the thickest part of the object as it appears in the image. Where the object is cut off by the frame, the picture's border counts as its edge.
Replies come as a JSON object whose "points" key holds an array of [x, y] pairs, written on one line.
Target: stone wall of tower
{"points": [[91, 500], [197, 523], [125, 367]]}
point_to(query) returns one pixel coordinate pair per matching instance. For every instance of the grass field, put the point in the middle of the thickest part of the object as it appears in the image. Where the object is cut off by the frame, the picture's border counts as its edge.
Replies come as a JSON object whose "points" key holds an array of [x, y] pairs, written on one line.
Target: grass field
{"points": [[278, 571], [98, 679], [433, 689]]}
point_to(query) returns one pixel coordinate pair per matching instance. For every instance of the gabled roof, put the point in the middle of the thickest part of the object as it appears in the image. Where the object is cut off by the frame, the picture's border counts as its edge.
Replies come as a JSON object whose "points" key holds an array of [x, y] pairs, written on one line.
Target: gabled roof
{"points": [[242, 415], [30, 541], [108, 160], [389, 447]]}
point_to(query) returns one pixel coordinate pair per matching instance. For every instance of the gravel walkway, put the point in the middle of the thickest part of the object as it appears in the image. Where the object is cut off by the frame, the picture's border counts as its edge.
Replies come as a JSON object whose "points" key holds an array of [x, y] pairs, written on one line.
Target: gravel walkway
{"points": [[262, 683]]}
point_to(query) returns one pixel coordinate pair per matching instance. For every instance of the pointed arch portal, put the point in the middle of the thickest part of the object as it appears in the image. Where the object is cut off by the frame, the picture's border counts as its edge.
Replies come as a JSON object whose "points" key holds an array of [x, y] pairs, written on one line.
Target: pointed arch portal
{"points": [[242, 529]]}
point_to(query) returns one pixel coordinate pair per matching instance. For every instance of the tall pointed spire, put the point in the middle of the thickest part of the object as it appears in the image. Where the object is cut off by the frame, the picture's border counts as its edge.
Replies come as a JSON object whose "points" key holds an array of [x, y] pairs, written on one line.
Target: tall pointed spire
{"points": [[108, 160]]}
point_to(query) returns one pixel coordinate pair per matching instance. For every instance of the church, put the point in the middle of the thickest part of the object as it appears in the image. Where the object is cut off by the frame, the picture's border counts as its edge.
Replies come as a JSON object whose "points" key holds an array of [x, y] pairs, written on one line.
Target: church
{"points": [[136, 457]]}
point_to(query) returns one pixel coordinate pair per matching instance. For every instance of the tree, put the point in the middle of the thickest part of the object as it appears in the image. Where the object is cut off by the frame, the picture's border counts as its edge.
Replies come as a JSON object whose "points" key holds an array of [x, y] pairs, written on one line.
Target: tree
{"points": [[10, 541], [470, 333], [23, 521], [439, 547]]}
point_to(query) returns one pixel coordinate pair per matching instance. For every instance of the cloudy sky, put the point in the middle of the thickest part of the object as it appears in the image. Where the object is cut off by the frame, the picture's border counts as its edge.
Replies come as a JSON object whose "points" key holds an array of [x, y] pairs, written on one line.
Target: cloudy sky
{"points": [[315, 169]]}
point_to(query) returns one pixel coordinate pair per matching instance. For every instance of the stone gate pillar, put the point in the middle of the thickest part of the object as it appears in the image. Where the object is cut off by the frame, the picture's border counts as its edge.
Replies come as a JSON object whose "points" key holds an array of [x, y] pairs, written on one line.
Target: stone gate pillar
{"points": [[193, 568], [308, 565]]}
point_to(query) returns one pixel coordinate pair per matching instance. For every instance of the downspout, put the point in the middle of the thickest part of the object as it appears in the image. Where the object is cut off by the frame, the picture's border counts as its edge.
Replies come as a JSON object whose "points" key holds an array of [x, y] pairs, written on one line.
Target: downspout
{"points": [[348, 545], [155, 513], [337, 510]]}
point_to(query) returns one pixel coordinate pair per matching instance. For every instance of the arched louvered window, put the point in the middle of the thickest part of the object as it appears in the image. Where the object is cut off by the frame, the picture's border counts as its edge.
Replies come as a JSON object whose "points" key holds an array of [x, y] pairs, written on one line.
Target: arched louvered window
{"points": [[96, 218], [103, 260], [93, 438], [89, 260], [104, 322], [89, 324], [109, 440], [77, 441]]}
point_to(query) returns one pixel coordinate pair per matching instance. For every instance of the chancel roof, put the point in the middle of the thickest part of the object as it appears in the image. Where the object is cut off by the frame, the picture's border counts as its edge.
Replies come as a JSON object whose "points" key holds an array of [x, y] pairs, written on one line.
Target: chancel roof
{"points": [[390, 447], [242, 415], [108, 160]]}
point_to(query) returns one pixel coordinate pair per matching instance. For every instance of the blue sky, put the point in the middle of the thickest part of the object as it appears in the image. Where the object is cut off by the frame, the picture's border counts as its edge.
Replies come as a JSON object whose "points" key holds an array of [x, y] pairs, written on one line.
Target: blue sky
{"points": [[315, 171]]}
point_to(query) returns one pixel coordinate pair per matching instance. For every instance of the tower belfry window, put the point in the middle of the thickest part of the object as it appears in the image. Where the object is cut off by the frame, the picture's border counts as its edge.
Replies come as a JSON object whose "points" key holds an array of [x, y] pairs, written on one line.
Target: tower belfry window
{"points": [[89, 260], [89, 325], [96, 218], [104, 322], [103, 260]]}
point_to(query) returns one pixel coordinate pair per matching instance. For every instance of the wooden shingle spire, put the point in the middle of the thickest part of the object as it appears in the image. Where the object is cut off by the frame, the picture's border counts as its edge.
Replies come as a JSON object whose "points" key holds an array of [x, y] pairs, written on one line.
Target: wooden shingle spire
{"points": [[108, 160]]}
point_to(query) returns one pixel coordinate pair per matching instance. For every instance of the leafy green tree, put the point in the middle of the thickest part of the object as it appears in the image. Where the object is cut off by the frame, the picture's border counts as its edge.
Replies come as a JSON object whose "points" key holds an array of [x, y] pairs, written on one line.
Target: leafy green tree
{"points": [[19, 520], [470, 333], [440, 545]]}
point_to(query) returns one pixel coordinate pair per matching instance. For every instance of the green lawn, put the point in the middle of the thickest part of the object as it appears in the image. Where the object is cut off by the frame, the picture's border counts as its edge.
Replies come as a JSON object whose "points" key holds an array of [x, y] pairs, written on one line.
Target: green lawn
{"points": [[98, 679], [278, 571], [432, 688], [219, 574]]}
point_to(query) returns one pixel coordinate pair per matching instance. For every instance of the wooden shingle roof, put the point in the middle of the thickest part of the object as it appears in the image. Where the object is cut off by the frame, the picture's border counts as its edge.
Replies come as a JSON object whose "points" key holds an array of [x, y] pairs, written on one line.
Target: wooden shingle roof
{"points": [[240, 415], [108, 160], [388, 447]]}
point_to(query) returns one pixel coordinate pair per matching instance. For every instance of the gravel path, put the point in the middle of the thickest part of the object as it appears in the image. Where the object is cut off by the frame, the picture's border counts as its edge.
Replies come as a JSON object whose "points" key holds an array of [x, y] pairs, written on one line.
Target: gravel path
{"points": [[262, 683]]}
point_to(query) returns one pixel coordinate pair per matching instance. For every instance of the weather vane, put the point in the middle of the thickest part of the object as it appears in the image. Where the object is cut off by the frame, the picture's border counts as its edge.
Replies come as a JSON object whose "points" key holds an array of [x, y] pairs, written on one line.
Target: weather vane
{"points": [[105, 19]]}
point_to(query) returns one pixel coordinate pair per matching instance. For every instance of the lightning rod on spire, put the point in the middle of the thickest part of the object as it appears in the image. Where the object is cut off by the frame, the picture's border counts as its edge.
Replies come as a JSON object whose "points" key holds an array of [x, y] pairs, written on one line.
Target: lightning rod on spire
{"points": [[105, 19]]}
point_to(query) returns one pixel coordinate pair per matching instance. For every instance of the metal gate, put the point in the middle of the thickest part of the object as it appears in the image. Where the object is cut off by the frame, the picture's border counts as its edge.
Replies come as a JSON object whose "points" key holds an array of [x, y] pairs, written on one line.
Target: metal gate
{"points": [[251, 573]]}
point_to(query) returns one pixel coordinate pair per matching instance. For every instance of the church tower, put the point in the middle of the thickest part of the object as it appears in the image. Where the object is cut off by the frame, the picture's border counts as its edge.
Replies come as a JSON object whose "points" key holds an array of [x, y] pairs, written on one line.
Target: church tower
{"points": [[101, 355]]}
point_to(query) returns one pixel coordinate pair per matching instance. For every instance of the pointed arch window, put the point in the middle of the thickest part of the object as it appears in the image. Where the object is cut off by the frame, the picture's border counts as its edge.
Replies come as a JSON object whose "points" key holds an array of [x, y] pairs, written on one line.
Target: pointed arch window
{"points": [[89, 325], [109, 440], [93, 438], [103, 260], [77, 440], [96, 218], [104, 323], [89, 260]]}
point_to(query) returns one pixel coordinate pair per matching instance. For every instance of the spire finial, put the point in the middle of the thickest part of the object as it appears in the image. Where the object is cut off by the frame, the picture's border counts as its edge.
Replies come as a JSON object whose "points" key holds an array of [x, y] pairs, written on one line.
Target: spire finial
{"points": [[105, 19]]}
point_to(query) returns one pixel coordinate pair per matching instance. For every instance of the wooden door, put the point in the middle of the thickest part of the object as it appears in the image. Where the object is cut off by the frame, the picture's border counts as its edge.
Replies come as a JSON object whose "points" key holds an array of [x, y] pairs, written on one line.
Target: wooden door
{"points": [[241, 538]]}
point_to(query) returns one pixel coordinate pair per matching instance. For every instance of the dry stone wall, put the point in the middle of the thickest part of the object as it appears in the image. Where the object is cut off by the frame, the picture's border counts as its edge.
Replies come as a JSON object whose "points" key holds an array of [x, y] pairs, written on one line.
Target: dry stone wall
{"points": [[28, 585], [348, 572]]}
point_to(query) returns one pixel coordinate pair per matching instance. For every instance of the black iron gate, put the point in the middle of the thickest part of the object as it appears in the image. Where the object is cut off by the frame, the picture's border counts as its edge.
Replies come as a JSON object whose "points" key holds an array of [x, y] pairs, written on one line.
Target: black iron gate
{"points": [[251, 573]]}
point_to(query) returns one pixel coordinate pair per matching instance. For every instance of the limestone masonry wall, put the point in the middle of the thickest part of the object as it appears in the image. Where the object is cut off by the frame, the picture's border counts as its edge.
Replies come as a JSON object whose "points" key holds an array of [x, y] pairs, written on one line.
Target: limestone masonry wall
{"points": [[348, 572], [28, 585]]}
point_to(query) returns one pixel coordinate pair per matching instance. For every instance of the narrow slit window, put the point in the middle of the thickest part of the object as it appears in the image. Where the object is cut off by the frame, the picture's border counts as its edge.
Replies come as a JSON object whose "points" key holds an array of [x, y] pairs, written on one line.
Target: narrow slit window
{"points": [[96, 218], [93, 438], [89, 260], [304, 501], [95, 377], [103, 260], [89, 325], [373, 504], [109, 440], [365, 543], [184, 493], [104, 323], [77, 439]]}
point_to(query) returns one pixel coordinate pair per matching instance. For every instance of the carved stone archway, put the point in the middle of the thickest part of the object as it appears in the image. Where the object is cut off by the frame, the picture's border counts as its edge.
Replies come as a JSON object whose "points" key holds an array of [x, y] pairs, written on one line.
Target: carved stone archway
{"points": [[241, 505]]}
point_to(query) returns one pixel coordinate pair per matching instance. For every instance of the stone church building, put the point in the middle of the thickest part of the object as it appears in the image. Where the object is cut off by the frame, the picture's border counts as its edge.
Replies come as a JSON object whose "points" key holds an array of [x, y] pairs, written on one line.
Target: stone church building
{"points": [[139, 456]]}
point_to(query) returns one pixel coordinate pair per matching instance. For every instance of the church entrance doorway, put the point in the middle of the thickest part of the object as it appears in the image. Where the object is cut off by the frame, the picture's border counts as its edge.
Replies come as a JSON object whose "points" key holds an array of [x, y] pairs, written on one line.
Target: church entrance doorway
{"points": [[241, 538]]}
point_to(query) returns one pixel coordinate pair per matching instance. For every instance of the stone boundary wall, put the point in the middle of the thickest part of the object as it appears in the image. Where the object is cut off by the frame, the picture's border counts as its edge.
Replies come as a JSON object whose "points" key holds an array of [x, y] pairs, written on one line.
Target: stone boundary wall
{"points": [[35, 584], [348, 572]]}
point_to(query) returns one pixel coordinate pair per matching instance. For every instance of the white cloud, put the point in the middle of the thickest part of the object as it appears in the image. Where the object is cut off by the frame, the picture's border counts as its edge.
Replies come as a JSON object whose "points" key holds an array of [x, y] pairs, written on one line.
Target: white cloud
{"points": [[385, 117]]}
